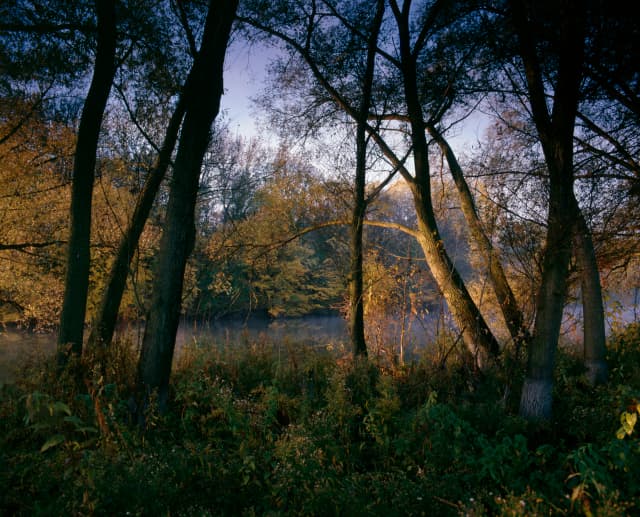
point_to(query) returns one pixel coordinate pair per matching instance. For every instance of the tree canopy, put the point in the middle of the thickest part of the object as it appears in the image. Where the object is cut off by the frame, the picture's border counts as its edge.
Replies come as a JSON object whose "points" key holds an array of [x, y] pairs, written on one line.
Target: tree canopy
{"points": [[370, 198]]}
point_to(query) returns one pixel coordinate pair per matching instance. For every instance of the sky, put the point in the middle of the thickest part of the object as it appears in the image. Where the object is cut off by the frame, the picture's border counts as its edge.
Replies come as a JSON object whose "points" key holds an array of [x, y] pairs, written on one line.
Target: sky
{"points": [[245, 71]]}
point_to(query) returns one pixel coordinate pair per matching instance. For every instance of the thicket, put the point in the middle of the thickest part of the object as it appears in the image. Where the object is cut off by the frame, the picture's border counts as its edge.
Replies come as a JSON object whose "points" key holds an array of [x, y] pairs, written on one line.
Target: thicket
{"points": [[269, 429]]}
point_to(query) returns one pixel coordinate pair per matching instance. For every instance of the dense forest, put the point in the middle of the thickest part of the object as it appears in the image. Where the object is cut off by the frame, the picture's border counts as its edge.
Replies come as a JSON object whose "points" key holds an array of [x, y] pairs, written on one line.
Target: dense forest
{"points": [[368, 194]]}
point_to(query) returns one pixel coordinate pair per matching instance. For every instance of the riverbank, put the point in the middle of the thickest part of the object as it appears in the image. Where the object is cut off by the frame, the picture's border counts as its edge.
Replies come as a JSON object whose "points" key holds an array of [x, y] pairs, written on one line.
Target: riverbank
{"points": [[322, 330], [251, 430]]}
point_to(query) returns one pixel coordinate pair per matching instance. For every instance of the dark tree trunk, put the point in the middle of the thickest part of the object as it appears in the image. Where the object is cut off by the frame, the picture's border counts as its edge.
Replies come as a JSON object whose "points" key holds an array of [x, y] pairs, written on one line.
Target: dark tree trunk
{"points": [[356, 284], [555, 131], [356, 281], [105, 321], [592, 308], [202, 106], [536, 401], [77, 276]]}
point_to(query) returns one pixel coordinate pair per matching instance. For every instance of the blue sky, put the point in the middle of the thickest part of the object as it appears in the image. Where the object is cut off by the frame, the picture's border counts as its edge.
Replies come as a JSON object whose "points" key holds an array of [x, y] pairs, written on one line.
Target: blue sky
{"points": [[245, 72], [245, 69]]}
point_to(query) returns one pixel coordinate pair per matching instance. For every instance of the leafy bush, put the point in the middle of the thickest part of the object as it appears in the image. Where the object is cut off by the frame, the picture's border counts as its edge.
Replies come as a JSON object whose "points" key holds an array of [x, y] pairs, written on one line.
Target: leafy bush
{"points": [[260, 430]]}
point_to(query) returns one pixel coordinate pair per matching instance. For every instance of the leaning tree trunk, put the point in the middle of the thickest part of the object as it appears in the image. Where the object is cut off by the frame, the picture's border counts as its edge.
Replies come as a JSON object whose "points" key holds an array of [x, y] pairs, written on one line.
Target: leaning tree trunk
{"points": [[105, 321], [506, 299], [592, 308], [78, 259], [202, 106], [476, 334]]}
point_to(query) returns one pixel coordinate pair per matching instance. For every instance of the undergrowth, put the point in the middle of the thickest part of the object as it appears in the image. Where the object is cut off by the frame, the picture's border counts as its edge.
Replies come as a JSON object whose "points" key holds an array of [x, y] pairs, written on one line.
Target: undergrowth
{"points": [[254, 430]]}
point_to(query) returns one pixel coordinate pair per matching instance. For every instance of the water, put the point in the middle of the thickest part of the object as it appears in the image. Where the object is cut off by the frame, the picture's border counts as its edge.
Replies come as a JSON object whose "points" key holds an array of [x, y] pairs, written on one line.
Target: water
{"points": [[327, 332], [19, 346], [310, 330]]}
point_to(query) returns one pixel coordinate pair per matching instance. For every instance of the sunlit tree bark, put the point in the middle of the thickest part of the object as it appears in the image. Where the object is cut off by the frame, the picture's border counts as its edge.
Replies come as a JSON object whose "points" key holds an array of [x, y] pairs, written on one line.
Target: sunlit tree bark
{"points": [[506, 299], [476, 334]]}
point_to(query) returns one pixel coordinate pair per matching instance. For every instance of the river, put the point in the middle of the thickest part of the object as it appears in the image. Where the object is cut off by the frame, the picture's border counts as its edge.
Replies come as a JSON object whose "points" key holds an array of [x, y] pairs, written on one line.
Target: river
{"points": [[329, 332]]}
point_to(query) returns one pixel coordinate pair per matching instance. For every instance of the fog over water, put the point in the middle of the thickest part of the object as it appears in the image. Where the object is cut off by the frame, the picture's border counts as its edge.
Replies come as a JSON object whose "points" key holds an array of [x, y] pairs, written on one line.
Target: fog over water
{"points": [[326, 332], [19, 346]]}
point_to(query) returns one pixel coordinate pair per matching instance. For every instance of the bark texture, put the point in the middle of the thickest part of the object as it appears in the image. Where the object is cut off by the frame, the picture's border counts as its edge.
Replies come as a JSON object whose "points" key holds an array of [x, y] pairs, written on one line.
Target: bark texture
{"points": [[592, 307], [537, 398], [70, 335], [506, 299], [356, 281], [202, 106], [105, 321], [476, 334], [555, 131]]}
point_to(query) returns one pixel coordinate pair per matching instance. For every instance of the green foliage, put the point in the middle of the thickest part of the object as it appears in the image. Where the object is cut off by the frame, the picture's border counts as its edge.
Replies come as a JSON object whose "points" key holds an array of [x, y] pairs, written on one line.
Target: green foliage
{"points": [[623, 355], [628, 420], [254, 431], [263, 257], [54, 419]]}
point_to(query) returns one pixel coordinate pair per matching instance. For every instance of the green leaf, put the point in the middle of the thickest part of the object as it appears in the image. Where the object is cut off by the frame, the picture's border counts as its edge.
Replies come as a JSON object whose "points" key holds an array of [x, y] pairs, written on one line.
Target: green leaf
{"points": [[628, 421], [60, 407], [73, 419], [631, 418], [54, 441], [86, 429]]}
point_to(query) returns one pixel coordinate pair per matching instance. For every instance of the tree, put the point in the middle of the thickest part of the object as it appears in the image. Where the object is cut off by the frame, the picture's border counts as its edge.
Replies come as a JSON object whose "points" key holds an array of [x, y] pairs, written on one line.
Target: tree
{"points": [[592, 307], [105, 321], [509, 307], [310, 45], [355, 68], [34, 204], [77, 276], [152, 32], [555, 130], [477, 335], [608, 131], [201, 108], [356, 276], [267, 261]]}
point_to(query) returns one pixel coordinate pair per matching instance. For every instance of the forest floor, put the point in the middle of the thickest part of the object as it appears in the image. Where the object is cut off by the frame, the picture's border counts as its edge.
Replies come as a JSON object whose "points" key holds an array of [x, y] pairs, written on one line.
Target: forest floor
{"points": [[252, 432]]}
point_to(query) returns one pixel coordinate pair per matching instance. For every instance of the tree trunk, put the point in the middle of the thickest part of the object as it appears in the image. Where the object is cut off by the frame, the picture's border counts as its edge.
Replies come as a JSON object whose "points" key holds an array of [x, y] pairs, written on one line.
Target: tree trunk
{"points": [[477, 336], [555, 131], [105, 321], [78, 259], [592, 308], [202, 106], [536, 399], [356, 280], [506, 299]]}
